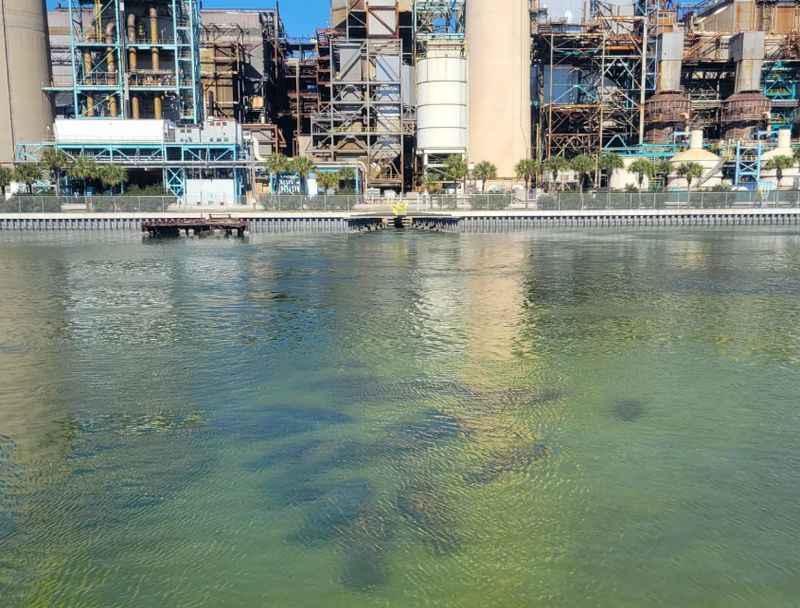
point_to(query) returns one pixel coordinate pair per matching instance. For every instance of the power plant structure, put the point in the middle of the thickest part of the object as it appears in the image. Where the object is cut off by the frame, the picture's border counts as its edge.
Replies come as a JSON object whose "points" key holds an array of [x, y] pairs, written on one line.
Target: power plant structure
{"points": [[25, 110], [392, 89]]}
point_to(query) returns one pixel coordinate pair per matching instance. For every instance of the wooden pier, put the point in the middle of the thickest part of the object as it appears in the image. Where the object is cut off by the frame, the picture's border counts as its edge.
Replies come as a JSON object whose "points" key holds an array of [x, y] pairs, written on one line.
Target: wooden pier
{"points": [[172, 226]]}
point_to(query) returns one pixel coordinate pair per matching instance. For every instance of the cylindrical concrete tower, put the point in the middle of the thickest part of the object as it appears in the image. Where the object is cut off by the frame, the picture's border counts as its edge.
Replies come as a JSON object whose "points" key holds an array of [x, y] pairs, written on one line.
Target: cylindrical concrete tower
{"points": [[498, 51], [25, 111]]}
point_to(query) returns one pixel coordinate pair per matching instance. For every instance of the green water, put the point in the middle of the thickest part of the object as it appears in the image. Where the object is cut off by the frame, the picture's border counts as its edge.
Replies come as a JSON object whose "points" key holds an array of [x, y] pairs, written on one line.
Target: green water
{"points": [[555, 419]]}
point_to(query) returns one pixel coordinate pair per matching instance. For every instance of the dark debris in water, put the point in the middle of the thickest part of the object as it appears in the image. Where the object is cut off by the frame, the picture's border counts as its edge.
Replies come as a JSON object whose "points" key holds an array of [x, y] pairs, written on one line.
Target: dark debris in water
{"points": [[628, 410], [513, 460]]}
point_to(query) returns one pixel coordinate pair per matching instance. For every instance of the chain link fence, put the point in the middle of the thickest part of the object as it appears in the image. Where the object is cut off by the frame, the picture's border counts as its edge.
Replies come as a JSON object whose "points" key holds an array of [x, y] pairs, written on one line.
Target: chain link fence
{"points": [[562, 201], [87, 204]]}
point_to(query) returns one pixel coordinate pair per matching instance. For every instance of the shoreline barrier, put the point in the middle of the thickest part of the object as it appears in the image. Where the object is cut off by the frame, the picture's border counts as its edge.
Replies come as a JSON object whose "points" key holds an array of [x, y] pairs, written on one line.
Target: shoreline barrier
{"points": [[455, 222]]}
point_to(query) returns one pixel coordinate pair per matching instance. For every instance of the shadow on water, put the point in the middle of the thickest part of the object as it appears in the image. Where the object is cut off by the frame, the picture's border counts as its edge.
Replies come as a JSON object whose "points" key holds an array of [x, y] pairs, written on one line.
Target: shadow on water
{"points": [[628, 410]]}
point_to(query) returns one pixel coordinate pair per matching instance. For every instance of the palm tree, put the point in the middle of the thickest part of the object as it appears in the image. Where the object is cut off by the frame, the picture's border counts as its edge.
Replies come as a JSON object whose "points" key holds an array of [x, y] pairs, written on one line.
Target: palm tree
{"points": [[348, 176], [609, 162], [583, 165], [555, 165], [28, 174], [302, 166], [84, 169], [6, 177], [55, 161], [328, 180], [484, 171], [528, 169], [642, 168], [431, 182], [779, 164], [662, 169], [112, 176], [456, 170], [690, 171], [275, 164]]}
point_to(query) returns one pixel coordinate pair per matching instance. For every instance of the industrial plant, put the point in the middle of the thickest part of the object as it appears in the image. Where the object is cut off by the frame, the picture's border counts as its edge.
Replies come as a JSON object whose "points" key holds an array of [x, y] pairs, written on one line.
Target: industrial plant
{"points": [[391, 95]]}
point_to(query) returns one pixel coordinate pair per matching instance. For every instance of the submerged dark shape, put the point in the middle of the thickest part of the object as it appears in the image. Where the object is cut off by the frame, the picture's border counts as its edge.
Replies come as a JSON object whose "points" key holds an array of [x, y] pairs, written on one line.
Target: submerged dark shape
{"points": [[412, 390], [335, 512], [515, 459], [291, 453], [364, 568], [366, 546], [432, 428], [284, 421], [628, 410], [7, 524], [426, 509], [296, 493]]}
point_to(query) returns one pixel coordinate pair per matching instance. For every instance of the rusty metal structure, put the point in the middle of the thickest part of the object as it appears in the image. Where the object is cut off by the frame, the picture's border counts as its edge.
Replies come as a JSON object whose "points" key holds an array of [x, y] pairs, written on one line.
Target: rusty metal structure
{"points": [[627, 77], [365, 116]]}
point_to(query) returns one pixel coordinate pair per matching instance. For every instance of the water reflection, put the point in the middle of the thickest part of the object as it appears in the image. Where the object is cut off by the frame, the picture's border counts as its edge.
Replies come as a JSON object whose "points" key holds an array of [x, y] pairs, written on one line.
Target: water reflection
{"points": [[567, 419]]}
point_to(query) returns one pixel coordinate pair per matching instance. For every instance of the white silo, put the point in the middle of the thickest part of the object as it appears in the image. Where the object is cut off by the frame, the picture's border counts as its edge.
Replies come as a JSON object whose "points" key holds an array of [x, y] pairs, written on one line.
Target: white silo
{"points": [[25, 110], [441, 102], [498, 51]]}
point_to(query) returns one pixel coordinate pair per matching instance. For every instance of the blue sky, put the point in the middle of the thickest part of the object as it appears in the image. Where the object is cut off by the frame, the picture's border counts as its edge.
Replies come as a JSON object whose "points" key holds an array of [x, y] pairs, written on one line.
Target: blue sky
{"points": [[302, 17]]}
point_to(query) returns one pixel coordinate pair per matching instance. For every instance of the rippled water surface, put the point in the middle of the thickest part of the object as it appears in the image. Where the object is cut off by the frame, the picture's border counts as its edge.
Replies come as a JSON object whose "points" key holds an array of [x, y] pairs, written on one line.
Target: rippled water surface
{"points": [[557, 419]]}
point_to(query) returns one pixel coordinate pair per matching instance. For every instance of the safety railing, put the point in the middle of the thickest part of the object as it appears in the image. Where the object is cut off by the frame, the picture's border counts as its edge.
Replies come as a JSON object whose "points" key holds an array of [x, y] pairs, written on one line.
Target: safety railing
{"points": [[355, 203], [87, 204]]}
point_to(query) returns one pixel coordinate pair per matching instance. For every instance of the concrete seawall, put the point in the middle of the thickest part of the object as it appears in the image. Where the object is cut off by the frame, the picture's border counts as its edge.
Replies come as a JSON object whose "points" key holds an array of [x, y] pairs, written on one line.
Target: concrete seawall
{"points": [[467, 221]]}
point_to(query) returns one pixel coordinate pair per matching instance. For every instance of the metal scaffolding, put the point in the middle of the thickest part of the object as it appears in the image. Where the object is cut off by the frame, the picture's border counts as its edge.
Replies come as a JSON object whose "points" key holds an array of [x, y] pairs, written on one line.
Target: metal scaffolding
{"points": [[362, 117], [438, 20], [135, 58], [592, 84]]}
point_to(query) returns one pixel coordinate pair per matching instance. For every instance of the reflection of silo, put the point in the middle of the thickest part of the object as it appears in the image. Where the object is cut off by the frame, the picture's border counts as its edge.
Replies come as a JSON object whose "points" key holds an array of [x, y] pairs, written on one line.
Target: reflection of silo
{"points": [[499, 48], [442, 100], [25, 112]]}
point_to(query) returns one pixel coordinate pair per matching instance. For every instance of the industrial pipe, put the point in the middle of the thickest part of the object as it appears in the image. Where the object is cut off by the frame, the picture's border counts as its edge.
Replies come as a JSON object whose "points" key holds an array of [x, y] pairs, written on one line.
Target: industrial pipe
{"points": [[132, 57], [157, 107], [154, 38], [98, 20], [111, 66], [135, 107]]}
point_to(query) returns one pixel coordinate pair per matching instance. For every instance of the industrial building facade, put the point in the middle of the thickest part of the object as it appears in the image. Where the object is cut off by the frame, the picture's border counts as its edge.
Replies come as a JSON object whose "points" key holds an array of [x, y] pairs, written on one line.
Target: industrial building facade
{"points": [[394, 88]]}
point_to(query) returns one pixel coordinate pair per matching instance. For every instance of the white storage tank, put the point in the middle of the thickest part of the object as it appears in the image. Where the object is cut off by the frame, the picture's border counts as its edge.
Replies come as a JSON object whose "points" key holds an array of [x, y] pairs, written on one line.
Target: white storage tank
{"points": [[100, 131], [710, 163], [442, 99]]}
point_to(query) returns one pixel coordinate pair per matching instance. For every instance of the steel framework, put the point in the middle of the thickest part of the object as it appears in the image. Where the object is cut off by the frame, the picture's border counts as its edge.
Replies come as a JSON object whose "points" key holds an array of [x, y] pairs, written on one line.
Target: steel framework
{"points": [[362, 115], [592, 85], [437, 20], [103, 47]]}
